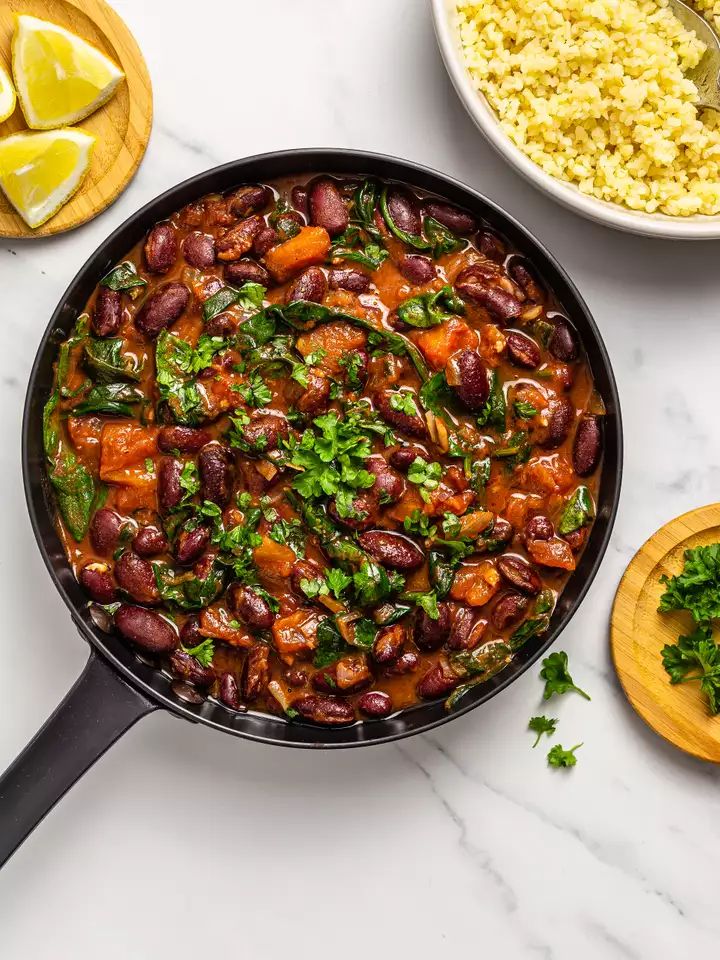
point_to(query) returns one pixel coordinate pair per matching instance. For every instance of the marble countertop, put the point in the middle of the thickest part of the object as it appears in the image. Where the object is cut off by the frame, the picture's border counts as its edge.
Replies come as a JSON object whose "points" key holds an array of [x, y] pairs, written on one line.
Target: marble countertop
{"points": [[182, 842]]}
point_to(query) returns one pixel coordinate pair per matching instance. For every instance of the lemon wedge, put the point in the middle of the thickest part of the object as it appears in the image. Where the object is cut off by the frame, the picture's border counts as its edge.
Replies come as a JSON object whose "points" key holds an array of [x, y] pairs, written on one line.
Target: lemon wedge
{"points": [[39, 172], [7, 94], [59, 78]]}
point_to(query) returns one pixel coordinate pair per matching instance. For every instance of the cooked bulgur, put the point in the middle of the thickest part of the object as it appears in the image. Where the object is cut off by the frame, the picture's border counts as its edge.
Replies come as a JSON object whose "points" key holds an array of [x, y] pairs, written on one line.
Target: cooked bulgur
{"points": [[593, 91]]}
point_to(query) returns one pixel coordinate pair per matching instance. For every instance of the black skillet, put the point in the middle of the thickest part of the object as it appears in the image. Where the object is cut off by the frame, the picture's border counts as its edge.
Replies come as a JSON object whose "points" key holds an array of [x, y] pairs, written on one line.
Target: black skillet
{"points": [[116, 688]]}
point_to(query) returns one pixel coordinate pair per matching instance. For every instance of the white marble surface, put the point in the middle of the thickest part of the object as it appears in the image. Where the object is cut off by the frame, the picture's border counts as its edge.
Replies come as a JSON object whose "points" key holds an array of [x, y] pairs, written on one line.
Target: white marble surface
{"points": [[182, 842]]}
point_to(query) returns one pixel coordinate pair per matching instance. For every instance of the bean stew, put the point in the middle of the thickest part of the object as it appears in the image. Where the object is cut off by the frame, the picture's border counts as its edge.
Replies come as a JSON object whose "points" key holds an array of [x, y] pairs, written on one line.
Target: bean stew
{"points": [[324, 448]]}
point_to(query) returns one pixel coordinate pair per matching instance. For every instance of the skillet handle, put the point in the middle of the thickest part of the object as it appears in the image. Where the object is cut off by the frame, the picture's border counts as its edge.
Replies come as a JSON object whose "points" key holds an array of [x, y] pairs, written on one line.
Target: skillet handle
{"points": [[98, 709]]}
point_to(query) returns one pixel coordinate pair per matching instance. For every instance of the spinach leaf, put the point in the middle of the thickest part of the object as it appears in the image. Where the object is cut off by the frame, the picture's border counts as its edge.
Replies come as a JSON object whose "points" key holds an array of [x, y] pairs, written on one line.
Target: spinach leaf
{"points": [[537, 623], [124, 277], [436, 395], [479, 665], [480, 474], [104, 360], [418, 243], [113, 399], [578, 512], [75, 492], [365, 633], [249, 296], [187, 591], [330, 644], [430, 309], [427, 601], [440, 239], [516, 451], [442, 572], [495, 410]]}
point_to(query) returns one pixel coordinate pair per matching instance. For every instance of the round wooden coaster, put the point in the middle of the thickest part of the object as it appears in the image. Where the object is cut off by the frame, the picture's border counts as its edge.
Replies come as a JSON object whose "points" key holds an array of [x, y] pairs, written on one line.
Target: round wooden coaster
{"points": [[638, 633], [122, 126]]}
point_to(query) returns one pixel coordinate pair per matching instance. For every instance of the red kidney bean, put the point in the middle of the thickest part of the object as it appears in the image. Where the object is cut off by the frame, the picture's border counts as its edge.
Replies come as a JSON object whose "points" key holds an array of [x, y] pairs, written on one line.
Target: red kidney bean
{"points": [[169, 490], [304, 570], [145, 629], [256, 671], [248, 200], [199, 250], [190, 670], [525, 280], [467, 630], [412, 424], [299, 199], [473, 286], [246, 271], [288, 224], [215, 466], [587, 446], [162, 308], [161, 248], [266, 428], [223, 325], [190, 545], [326, 206], [107, 312], [468, 376], [430, 634], [250, 607], [389, 486], [388, 644], [239, 240], [508, 610], [228, 693], [325, 680], [437, 682], [96, 581], [459, 221], [502, 530], [562, 414], [149, 542], [563, 344], [328, 711], [182, 439], [375, 703], [365, 512], [404, 457], [539, 528], [309, 285], [406, 663], [576, 538], [105, 530], [316, 396], [392, 550], [490, 246], [190, 635], [295, 676], [523, 351], [404, 210], [520, 574], [416, 268], [349, 279], [265, 239], [135, 576]]}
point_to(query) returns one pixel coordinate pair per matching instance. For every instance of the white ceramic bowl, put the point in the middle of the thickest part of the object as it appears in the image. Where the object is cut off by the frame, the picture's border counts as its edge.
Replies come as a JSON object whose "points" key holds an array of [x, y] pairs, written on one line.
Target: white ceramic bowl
{"points": [[602, 211]]}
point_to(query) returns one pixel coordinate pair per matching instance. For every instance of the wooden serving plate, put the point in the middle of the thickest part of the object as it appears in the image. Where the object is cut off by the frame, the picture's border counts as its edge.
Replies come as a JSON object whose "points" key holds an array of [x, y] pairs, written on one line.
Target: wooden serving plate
{"points": [[638, 633], [122, 126]]}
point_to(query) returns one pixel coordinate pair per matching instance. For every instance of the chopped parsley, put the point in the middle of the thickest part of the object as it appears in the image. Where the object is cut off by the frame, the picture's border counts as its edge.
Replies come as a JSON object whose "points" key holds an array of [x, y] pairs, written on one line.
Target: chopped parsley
{"points": [[557, 757], [541, 725], [557, 677]]}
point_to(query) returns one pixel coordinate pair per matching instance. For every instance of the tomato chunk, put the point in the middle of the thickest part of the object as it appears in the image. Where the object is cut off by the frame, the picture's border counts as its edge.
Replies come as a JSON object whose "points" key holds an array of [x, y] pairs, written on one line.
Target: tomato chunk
{"points": [[552, 553]]}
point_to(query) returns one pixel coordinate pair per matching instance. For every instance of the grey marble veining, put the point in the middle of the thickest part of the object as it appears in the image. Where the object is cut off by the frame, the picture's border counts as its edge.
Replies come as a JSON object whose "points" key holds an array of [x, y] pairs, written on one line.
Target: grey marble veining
{"points": [[183, 842]]}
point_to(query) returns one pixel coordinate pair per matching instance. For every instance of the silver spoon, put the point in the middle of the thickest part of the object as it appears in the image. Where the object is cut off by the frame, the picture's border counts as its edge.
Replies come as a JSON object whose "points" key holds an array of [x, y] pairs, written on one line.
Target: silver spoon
{"points": [[706, 75]]}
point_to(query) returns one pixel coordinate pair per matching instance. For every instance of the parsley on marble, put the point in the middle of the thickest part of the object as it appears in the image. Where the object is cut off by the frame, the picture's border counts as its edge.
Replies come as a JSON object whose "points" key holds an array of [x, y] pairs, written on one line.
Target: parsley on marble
{"points": [[557, 757], [557, 677], [541, 725]]}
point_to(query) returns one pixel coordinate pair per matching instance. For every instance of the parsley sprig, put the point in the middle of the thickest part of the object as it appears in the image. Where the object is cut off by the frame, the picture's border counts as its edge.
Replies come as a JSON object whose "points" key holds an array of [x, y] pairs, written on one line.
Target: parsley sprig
{"points": [[557, 677]]}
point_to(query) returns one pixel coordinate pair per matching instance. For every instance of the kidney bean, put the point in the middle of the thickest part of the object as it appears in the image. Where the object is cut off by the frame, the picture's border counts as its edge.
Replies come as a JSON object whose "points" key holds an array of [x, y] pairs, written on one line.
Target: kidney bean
{"points": [[182, 439], [223, 325], [266, 428], [246, 271], [587, 446], [145, 629], [190, 545], [539, 528], [562, 414], [404, 210], [228, 692], [256, 671], [389, 486], [169, 490], [468, 376], [437, 682], [467, 630], [459, 221], [250, 607], [328, 711], [190, 635], [161, 248], [135, 576], [502, 530], [304, 570], [316, 396], [96, 581], [471, 285], [375, 703], [214, 464], [325, 680], [299, 199], [105, 530], [508, 610], [309, 285], [406, 663], [149, 542], [392, 550], [520, 574], [563, 344], [248, 200], [412, 424], [162, 308], [490, 246], [239, 240], [416, 268], [264, 240], [326, 206], [525, 280], [349, 279], [523, 351], [107, 312], [190, 670], [295, 676], [365, 512], [404, 457], [388, 644], [576, 538], [430, 634], [199, 250]]}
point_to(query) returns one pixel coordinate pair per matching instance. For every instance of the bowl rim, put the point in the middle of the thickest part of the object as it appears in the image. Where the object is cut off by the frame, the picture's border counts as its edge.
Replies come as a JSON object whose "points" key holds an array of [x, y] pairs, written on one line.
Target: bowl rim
{"points": [[660, 225]]}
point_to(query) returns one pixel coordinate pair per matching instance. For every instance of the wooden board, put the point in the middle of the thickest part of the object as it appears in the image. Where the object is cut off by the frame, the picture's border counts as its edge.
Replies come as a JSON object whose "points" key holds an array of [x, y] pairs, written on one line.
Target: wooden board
{"points": [[638, 633], [122, 126]]}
